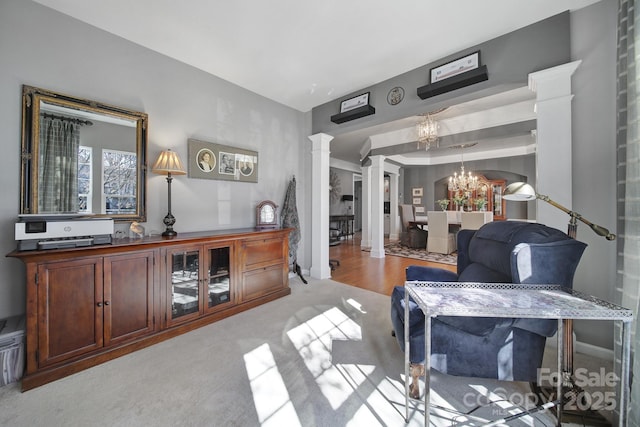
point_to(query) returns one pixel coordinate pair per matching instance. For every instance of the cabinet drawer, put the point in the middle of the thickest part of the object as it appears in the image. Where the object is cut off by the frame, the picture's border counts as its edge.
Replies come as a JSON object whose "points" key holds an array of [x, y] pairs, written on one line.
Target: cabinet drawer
{"points": [[263, 281], [262, 252]]}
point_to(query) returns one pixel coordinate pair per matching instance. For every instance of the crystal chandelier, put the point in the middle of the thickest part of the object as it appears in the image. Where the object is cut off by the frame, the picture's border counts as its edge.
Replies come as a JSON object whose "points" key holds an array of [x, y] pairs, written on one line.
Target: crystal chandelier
{"points": [[463, 184], [427, 131]]}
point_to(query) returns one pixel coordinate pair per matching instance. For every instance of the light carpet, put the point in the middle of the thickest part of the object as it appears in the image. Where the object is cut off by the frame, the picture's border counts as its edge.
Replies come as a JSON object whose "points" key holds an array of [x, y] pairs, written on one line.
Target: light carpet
{"points": [[322, 356], [396, 249]]}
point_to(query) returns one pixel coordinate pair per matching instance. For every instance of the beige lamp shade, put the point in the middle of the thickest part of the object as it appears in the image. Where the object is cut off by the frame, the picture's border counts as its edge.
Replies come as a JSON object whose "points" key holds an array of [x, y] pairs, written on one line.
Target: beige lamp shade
{"points": [[519, 192], [168, 163]]}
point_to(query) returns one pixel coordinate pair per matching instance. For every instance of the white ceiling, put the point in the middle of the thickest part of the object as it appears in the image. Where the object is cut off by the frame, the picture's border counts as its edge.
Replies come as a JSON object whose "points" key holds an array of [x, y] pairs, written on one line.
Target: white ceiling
{"points": [[303, 53]]}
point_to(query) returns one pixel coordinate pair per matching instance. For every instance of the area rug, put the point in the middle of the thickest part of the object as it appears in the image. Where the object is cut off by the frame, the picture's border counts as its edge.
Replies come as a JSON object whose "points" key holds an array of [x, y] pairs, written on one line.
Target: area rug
{"points": [[396, 249]]}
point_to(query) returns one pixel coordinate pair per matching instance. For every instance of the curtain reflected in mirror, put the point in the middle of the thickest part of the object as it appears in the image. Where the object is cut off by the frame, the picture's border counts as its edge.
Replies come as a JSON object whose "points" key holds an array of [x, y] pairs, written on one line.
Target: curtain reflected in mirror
{"points": [[58, 165]]}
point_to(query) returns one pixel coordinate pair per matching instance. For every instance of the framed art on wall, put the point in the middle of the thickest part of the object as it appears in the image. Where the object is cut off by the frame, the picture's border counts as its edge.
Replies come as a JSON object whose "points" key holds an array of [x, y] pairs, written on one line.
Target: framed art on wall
{"points": [[355, 102], [416, 192], [455, 67], [215, 161]]}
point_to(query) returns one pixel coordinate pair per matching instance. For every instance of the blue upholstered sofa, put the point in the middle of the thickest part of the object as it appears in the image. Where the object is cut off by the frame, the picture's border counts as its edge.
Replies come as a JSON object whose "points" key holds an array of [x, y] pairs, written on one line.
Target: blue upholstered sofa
{"points": [[500, 348]]}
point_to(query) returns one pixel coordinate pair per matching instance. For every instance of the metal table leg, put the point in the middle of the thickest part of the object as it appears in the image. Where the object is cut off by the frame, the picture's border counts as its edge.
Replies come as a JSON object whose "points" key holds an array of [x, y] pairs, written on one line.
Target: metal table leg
{"points": [[427, 367], [560, 379], [407, 349], [624, 368]]}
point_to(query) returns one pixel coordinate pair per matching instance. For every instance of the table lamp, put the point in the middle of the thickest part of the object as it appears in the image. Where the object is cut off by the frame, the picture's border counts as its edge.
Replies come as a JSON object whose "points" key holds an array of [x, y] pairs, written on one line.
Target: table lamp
{"points": [[168, 163]]}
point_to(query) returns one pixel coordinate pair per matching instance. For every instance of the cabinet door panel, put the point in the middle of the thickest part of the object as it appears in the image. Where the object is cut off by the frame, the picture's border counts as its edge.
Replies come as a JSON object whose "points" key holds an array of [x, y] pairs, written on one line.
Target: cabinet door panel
{"points": [[258, 253], [69, 318], [218, 276], [185, 302], [263, 281], [128, 290]]}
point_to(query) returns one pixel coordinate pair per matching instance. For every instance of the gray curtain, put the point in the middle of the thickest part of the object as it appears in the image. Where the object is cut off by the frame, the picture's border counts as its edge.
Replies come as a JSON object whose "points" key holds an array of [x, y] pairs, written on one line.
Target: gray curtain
{"points": [[290, 218], [628, 191], [58, 165]]}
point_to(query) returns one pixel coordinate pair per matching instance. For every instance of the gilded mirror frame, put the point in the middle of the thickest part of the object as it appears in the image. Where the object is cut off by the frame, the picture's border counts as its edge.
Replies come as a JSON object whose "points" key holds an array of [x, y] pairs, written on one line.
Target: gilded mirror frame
{"points": [[31, 102]]}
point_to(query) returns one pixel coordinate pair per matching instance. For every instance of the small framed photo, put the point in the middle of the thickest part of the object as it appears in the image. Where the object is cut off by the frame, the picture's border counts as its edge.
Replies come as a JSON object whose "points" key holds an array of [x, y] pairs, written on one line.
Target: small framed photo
{"points": [[416, 192], [417, 200], [355, 102], [455, 67], [227, 163], [419, 209]]}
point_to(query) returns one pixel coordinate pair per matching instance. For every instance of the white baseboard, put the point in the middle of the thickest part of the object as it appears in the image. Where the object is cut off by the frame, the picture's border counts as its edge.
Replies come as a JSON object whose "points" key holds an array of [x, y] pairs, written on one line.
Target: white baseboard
{"points": [[305, 272], [594, 351], [585, 348]]}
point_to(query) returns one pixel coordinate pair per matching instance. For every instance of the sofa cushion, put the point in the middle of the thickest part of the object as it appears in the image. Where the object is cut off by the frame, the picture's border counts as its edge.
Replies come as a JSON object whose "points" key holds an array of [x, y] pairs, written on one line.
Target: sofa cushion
{"points": [[492, 244], [479, 273]]}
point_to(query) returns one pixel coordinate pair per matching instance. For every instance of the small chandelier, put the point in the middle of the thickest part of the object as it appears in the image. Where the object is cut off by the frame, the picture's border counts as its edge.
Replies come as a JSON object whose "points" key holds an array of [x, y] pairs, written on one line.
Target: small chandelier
{"points": [[463, 183], [427, 131]]}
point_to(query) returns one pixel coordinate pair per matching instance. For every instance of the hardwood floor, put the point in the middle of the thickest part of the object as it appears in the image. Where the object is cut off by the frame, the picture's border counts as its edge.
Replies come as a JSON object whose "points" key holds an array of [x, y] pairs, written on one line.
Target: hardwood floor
{"points": [[380, 275]]}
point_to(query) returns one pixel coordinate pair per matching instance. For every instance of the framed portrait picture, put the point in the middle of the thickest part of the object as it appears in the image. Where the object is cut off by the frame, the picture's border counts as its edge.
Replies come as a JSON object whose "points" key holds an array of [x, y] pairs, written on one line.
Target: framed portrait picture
{"points": [[416, 192], [417, 200], [215, 161]]}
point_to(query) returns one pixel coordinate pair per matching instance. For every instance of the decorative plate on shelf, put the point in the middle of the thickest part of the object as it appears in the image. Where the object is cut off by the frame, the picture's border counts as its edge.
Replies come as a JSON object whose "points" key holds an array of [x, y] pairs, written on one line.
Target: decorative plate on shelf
{"points": [[395, 95]]}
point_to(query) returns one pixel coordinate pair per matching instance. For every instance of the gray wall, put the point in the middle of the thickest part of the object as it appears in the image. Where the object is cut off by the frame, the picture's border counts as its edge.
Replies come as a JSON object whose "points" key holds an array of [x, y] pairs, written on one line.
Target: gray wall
{"points": [[46, 49], [346, 187], [509, 59], [593, 40]]}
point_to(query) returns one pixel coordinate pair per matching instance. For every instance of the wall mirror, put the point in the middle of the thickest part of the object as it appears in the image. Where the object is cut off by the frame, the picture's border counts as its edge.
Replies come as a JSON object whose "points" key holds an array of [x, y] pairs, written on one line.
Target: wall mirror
{"points": [[82, 157]]}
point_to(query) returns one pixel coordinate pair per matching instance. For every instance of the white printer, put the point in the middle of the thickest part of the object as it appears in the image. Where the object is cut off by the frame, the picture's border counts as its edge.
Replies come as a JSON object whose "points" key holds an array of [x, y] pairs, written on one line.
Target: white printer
{"points": [[56, 231]]}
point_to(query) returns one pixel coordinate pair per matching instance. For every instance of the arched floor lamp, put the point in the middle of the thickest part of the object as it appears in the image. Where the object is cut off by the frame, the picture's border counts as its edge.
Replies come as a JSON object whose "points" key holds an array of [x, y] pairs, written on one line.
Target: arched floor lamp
{"points": [[168, 163], [523, 192]]}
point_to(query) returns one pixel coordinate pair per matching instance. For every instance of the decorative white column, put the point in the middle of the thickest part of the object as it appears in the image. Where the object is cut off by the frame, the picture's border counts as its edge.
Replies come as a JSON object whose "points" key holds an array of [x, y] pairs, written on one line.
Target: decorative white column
{"points": [[365, 242], [393, 212], [320, 206], [377, 206], [553, 154]]}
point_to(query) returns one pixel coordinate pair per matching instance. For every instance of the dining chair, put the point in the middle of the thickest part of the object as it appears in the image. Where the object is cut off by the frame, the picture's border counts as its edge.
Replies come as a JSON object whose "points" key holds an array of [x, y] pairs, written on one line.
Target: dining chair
{"points": [[439, 239], [475, 220], [410, 236]]}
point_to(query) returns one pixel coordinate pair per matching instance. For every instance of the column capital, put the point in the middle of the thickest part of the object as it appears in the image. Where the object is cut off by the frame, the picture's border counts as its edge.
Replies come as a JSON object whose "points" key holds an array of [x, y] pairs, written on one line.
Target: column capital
{"points": [[553, 82], [377, 161], [320, 140]]}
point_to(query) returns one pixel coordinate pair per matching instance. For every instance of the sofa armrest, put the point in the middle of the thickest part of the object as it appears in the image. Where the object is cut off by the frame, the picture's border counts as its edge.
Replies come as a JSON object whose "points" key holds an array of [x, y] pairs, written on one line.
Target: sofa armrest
{"points": [[429, 274], [546, 263]]}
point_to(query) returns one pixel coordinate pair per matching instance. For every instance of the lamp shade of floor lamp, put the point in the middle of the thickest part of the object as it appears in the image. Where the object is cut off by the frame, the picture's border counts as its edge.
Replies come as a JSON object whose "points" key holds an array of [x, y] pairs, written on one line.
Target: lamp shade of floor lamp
{"points": [[168, 163]]}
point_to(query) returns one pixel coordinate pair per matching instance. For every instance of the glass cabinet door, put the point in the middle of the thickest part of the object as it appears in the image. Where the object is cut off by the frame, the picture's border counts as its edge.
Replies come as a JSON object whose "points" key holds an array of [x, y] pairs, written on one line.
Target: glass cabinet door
{"points": [[218, 276], [185, 279]]}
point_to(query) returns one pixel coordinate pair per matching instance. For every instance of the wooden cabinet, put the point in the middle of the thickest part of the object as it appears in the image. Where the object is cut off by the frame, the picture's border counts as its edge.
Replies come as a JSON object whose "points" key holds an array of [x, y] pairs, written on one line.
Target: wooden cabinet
{"points": [[489, 190], [89, 305], [86, 304]]}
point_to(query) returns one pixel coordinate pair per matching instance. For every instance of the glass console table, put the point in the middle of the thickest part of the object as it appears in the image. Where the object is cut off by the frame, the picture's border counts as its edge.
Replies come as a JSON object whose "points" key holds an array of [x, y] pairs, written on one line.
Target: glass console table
{"points": [[517, 301]]}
